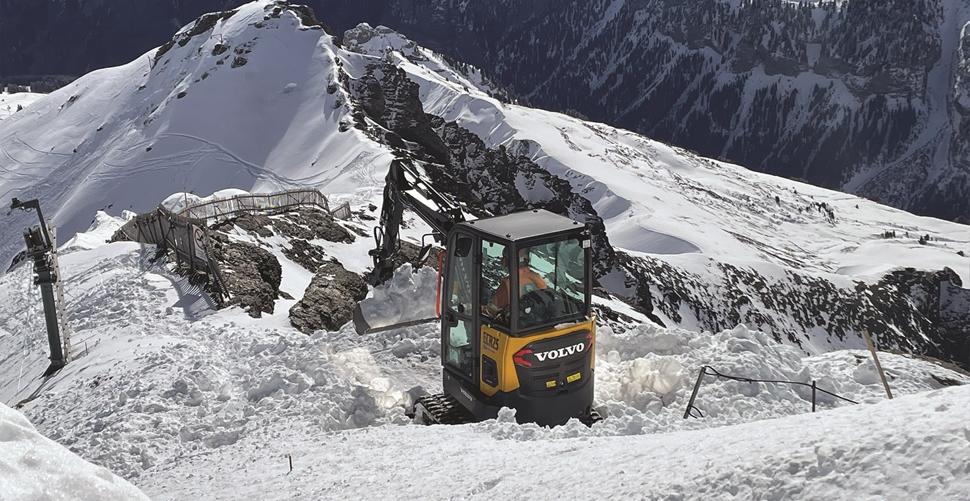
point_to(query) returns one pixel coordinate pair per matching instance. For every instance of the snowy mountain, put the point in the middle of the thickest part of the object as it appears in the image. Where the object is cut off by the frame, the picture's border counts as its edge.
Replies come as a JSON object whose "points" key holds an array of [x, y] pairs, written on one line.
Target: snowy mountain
{"points": [[862, 96], [685, 240], [188, 400], [865, 96]]}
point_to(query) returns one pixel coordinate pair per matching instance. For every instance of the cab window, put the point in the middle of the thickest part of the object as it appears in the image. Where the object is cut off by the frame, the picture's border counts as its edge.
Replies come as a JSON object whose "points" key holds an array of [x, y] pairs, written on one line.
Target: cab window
{"points": [[552, 282], [495, 284]]}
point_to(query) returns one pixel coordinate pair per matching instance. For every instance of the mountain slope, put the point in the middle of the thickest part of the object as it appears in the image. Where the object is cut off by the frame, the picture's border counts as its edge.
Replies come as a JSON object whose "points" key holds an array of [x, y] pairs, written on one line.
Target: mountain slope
{"points": [[859, 95], [263, 98]]}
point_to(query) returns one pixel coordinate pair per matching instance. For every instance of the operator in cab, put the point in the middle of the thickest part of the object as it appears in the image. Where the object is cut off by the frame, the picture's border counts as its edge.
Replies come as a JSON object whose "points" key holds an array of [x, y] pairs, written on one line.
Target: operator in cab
{"points": [[529, 281]]}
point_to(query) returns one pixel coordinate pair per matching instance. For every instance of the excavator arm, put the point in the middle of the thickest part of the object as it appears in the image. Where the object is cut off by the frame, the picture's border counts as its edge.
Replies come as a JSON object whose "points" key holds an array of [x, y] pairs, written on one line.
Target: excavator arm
{"points": [[406, 187]]}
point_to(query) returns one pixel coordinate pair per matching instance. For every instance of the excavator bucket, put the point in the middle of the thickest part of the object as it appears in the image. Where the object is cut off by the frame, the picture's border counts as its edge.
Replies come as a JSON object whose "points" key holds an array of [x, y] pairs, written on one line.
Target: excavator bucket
{"points": [[409, 298]]}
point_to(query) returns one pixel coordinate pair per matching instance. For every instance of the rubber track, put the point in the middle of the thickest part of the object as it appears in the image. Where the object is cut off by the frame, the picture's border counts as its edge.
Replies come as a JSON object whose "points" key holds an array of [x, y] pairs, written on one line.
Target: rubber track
{"points": [[443, 409]]}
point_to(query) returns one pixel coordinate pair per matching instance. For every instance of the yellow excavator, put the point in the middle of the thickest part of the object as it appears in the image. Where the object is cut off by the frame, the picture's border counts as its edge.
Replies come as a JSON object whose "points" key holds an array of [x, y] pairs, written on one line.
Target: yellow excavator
{"points": [[514, 304]]}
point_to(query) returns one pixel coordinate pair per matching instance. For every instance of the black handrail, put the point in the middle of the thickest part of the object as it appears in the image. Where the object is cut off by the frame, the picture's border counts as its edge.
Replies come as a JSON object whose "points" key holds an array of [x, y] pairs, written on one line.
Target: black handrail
{"points": [[714, 372]]}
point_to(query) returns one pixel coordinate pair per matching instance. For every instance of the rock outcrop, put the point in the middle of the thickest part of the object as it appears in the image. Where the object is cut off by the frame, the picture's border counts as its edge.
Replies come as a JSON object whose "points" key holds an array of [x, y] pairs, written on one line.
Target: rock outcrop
{"points": [[252, 274], [329, 301]]}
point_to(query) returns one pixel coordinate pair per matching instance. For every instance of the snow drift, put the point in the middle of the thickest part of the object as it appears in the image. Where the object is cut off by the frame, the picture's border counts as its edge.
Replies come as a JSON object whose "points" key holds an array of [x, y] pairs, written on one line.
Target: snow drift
{"points": [[33, 467]]}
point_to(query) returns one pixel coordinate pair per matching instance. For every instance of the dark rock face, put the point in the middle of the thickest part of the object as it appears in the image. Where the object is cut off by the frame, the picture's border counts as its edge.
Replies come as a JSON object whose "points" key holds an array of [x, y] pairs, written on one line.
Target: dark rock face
{"points": [[482, 177], [311, 224], [255, 224], [907, 310], [252, 274], [329, 301], [823, 93]]}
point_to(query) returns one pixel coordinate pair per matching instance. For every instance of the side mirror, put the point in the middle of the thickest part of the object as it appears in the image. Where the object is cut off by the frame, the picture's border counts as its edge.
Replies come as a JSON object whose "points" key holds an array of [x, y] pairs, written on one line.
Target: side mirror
{"points": [[423, 256]]}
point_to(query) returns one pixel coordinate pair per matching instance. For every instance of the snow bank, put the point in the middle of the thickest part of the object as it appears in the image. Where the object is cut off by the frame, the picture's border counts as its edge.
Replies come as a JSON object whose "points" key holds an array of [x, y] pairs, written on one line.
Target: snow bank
{"points": [[102, 228], [645, 376], [36, 468], [176, 202]]}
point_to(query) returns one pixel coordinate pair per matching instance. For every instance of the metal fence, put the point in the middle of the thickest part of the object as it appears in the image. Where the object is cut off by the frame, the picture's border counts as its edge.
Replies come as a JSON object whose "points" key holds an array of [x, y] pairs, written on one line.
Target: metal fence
{"points": [[710, 371], [188, 238], [186, 233], [225, 208]]}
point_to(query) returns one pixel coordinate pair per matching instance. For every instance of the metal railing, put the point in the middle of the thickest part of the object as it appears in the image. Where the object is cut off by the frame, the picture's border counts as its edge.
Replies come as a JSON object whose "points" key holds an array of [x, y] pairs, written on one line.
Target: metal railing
{"points": [[282, 201], [708, 370], [188, 239], [186, 232]]}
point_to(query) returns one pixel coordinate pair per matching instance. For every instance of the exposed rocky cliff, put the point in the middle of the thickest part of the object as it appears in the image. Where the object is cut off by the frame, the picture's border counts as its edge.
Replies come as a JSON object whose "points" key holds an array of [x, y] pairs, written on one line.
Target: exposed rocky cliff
{"points": [[861, 95]]}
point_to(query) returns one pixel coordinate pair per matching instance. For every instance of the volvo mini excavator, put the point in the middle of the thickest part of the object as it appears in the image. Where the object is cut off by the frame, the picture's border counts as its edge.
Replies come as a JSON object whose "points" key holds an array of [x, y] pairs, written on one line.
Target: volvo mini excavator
{"points": [[514, 304]]}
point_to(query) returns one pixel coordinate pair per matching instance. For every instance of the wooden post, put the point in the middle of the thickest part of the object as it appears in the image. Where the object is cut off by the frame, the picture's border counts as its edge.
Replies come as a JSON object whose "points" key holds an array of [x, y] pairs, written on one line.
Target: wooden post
{"points": [[875, 358]]}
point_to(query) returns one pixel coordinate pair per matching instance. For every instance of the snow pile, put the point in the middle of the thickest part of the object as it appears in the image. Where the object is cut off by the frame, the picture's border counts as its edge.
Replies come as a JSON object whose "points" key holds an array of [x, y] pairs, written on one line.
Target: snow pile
{"points": [[644, 378], [408, 296], [177, 202], [103, 227], [33, 467]]}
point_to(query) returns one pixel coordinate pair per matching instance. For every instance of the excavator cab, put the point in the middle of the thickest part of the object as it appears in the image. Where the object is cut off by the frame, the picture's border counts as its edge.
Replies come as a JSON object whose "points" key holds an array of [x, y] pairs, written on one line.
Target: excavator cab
{"points": [[516, 327]]}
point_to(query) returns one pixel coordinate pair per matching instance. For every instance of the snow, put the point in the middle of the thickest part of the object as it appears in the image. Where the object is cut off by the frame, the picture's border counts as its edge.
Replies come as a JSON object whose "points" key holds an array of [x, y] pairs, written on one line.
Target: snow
{"points": [[186, 401], [35, 468], [154, 389], [408, 296], [9, 102], [910, 448]]}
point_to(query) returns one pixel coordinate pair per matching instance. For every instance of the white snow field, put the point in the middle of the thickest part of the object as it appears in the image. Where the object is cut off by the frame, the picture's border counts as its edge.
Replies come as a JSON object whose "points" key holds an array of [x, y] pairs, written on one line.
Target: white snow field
{"points": [[35, 468], [11, 102], [881, 451], [195, 403], [187, 402]]}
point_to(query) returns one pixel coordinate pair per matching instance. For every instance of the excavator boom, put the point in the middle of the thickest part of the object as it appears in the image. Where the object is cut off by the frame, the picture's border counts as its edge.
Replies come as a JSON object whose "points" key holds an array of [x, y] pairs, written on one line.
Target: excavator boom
{"points": [[406, 187]]}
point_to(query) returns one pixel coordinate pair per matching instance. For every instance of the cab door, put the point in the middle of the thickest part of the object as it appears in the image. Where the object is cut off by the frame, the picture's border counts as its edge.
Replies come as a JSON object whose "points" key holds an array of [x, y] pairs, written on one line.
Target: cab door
{"points": [[459, 321]]}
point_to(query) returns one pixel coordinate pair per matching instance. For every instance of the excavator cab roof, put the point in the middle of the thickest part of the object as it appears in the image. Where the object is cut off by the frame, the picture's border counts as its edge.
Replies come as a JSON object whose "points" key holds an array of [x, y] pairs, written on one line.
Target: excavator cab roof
{"points": [[524, 225]]}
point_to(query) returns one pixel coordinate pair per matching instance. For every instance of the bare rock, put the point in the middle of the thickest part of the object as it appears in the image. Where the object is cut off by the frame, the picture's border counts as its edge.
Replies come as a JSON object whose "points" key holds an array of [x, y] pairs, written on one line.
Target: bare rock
{"points": [[329, 300], [252, 274]]}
